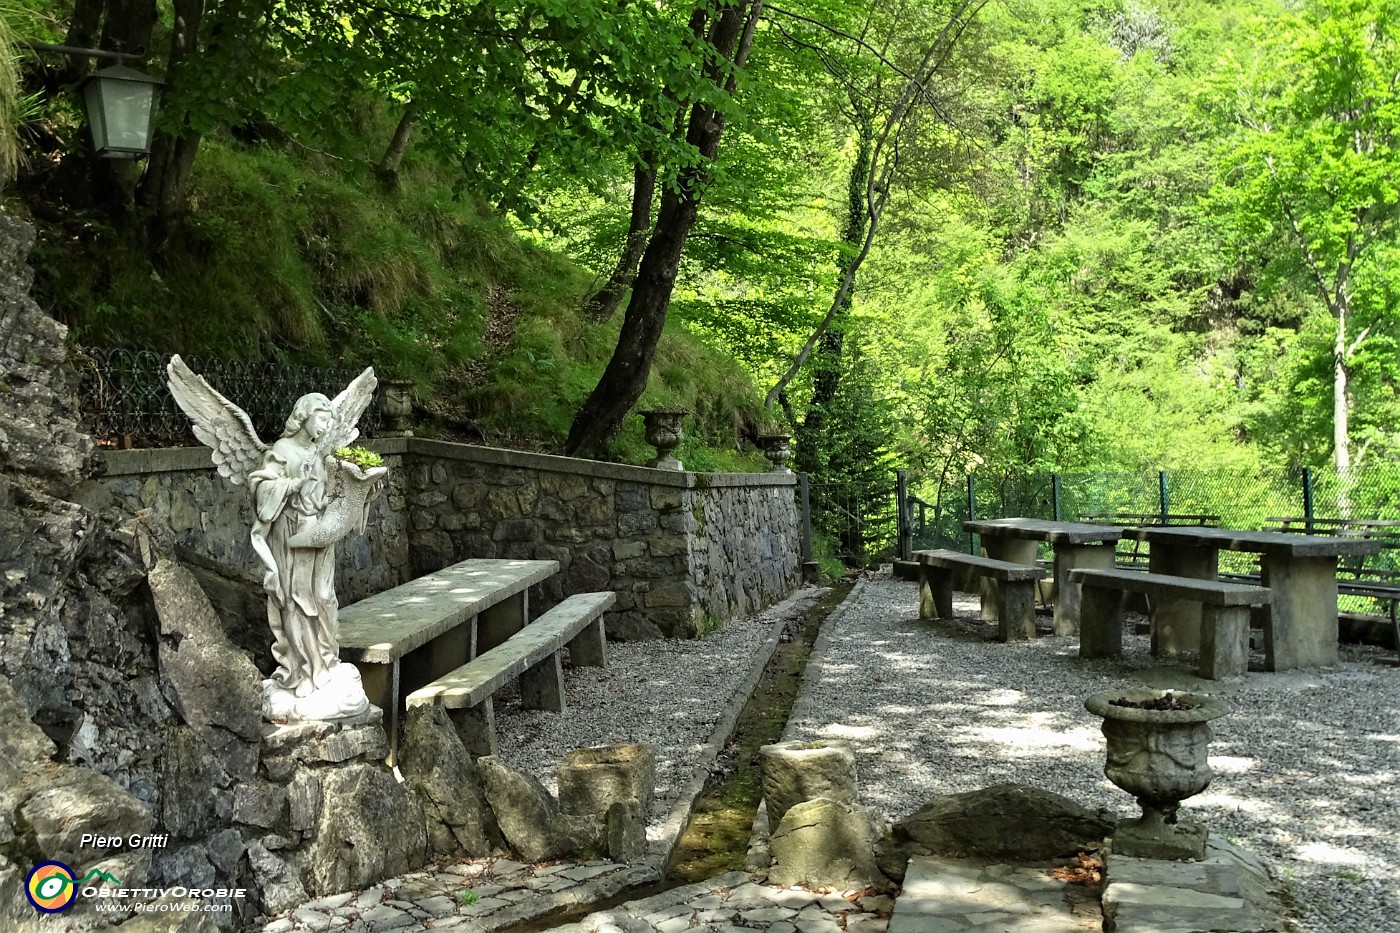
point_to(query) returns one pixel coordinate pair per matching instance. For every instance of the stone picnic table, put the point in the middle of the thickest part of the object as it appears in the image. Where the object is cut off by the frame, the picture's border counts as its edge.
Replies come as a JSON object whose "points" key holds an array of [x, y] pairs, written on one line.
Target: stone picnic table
{"points": [[1301, 570], [1075, 544]]}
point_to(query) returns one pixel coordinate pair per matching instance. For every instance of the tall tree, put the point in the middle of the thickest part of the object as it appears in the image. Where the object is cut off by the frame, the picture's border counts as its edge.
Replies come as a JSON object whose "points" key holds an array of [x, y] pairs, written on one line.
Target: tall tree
{"points": [[1315, 163], [730, 36]]}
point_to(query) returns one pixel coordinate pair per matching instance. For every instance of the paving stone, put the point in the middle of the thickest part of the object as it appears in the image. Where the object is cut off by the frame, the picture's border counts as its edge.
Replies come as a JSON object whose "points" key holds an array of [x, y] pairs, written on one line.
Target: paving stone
{"points": [[312, 919], [506, 866], [1146, 895], [708, 902], [715, 916], [673, 925], [835, 903], [584, 872], [465, 869], [487, 890], [551, 869], [782, 926], [331, 902], [666, 913], [767, 914], [370, 897], [864, 923], [795, 898], [874, 903], [823, 924], [484, 906], [278, 926]]}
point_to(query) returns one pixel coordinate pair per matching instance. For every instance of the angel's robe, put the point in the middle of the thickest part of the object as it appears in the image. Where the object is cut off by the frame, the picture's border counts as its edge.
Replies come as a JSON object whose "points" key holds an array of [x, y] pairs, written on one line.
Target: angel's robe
{"points": [[300, 582]]}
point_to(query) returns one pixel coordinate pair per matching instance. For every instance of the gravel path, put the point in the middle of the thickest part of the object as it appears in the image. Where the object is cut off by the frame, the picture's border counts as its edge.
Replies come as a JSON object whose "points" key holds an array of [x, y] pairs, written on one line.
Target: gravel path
{"points": [[1307, 765]]}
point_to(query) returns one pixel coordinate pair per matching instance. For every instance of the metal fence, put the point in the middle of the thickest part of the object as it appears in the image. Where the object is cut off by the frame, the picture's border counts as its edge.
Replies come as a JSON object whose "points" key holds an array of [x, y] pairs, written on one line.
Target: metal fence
{"points": [[856, 522], [1240, 498], [124, 401]]}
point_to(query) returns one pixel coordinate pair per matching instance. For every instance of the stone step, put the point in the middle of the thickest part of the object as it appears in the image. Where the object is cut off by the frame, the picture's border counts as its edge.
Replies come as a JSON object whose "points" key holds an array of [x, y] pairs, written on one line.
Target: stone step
{"points": [[951, 895]]}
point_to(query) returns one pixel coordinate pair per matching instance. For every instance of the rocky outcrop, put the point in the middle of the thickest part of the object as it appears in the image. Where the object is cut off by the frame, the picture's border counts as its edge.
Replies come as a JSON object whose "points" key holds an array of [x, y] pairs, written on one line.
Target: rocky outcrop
{"points": [[1007, 821], [442, 776], [824, 843], [527, 813]]}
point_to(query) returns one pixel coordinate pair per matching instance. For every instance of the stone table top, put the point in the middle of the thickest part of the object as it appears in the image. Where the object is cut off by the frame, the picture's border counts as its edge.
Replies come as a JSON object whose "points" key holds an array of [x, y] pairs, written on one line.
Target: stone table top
{"points": [[388, 625], [1283, 543], [1041, 529]]}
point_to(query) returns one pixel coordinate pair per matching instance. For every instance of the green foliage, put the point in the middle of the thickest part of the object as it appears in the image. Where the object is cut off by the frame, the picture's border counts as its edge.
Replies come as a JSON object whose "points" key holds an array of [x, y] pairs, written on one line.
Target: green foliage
{"points": [[362, 457]]}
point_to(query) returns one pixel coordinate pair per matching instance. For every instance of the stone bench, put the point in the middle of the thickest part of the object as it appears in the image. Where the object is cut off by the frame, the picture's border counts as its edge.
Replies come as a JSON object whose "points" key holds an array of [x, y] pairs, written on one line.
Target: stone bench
{"points": [[1014, 592], [412, 634], [532, 655], [1224, 614]]}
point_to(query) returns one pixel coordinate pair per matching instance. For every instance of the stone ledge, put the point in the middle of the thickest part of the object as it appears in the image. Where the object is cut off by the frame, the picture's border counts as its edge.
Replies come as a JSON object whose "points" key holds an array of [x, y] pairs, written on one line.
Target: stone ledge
{"points": [[180, 459]]}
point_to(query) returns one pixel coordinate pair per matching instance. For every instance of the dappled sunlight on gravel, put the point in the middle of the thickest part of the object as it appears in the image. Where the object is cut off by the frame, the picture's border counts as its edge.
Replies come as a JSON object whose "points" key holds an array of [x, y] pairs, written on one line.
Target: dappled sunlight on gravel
{"points": [[1307, 764]]}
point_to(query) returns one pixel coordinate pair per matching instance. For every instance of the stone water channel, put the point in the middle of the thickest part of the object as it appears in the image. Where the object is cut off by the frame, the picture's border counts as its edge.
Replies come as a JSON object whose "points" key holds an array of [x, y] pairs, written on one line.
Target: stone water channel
{"points": [[716, 839]]}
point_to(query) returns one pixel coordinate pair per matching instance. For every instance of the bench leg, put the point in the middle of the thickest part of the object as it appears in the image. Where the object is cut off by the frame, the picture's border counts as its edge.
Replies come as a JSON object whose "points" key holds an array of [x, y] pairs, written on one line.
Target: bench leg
{"points": [[542, 686], [589, 648], [1224, 641], [476, 727], [1016, 612], [1100, 622], [381, 683], [935, 592], [501, 621], [1017, 551]]}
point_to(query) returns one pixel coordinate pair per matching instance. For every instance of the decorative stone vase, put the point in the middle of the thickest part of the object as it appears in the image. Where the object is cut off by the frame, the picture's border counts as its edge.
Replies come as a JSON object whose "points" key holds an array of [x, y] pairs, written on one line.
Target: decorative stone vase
{"points": [[664, 432], [347, 506], [396, 404], [1158, 756], [777, 448]]}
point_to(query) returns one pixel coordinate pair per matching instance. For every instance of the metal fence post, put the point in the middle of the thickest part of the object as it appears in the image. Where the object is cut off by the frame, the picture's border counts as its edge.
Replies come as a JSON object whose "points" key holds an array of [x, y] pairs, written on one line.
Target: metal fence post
{"points": [[971, 512], [1055, 495], [1162, 493], [1308, 498], [804, 490], [902, 529]]}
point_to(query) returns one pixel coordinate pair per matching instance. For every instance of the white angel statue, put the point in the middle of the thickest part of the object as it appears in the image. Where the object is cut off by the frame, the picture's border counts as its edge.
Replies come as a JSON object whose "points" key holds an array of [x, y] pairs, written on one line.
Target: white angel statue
{"points": [[304, 501]]}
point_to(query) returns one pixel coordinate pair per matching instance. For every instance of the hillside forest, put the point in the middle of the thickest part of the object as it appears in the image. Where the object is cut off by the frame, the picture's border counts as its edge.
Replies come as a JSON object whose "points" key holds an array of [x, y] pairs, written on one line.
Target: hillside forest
{"points": [[994, 237]]}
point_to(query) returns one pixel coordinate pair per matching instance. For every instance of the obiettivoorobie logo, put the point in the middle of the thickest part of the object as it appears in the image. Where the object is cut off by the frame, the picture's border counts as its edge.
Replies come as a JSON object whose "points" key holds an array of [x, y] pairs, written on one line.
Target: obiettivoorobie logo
{"points": [[51, 886]]}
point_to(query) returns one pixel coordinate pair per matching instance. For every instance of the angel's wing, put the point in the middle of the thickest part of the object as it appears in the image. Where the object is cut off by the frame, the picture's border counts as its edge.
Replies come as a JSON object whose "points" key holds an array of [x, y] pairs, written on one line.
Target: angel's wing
{"points": [[222, 425], [349, 406]]}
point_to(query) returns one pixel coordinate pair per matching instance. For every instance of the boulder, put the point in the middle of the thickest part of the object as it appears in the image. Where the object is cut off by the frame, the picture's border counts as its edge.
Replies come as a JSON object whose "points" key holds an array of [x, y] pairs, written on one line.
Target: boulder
{"points": [[526, 813], [208, 681], [22, 744], [1006, 821], [798, 771], [437, 769], [370, 828], [626, 831], [75, 802], [824, 843], [278, 882]]}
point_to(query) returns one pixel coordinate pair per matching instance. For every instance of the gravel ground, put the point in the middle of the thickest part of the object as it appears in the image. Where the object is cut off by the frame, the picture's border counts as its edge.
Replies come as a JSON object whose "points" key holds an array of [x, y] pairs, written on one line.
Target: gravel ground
{"points": [[1307, 765], [669, 693]]}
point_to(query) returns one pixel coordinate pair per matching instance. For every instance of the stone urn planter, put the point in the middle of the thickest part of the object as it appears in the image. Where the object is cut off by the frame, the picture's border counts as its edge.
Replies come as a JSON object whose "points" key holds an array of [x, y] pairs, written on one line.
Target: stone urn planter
{"points": [[664, 432], [352, 489], [396, 405], [778, 449], [1157, 743]]}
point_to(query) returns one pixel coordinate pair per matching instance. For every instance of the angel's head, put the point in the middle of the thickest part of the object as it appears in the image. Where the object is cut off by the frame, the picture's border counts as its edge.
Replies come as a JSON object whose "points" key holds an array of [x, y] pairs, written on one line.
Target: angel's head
{"points": [[312, 412]]}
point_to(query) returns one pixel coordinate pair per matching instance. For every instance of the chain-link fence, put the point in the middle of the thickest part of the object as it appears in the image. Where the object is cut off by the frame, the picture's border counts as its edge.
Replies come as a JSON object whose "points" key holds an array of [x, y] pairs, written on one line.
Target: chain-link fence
{"points": [[1244, 498], [124, 401]]}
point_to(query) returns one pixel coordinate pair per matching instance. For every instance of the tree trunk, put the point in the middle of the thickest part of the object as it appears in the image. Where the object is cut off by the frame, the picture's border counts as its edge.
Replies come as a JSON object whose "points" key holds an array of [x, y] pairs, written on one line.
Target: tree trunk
{"points": [[172, 156], [604, 302], [826, 378], [625, 378], [388, 168]]}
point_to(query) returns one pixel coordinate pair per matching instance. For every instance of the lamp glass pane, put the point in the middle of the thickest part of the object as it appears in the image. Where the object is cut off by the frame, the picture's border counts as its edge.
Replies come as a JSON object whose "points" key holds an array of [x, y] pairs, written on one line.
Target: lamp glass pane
{"points": [[128, 114]]}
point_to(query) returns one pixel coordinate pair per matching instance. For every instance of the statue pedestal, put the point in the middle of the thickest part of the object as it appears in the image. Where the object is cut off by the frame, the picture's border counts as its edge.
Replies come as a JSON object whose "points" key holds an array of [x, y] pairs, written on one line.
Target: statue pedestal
{"points": [[341, 698]]}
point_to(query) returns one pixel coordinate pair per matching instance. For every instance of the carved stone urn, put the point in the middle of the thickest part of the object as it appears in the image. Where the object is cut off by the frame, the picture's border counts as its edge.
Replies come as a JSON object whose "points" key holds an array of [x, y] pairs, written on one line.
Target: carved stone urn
{"points": [[664, 432], [352, 489], [777, 448], [396, 405], [1157, 743]]}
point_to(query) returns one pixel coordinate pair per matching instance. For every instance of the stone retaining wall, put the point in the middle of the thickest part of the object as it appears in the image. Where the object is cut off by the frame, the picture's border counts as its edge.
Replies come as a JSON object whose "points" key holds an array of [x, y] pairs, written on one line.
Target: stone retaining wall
{"points": [[685, 552]]}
